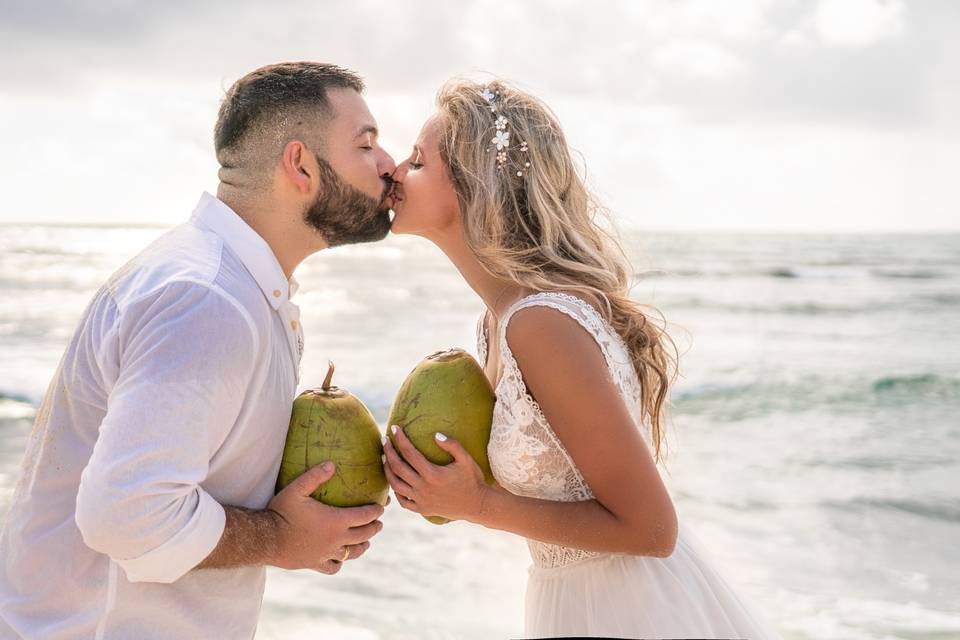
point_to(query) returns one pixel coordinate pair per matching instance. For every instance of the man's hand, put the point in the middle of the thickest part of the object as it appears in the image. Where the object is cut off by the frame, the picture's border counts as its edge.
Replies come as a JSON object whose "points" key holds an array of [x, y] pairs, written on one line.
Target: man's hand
{"points": [[312, 535], [295, 531]]}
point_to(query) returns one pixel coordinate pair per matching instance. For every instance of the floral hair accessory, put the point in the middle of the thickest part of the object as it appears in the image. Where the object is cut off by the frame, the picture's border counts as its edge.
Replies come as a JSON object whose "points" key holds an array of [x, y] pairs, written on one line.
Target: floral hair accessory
{"points": [[501, 139]]}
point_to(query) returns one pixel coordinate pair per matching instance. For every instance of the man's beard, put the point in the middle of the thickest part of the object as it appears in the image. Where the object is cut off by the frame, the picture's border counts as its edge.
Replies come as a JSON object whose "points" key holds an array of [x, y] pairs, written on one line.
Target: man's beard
{"points": [[343, 214]]}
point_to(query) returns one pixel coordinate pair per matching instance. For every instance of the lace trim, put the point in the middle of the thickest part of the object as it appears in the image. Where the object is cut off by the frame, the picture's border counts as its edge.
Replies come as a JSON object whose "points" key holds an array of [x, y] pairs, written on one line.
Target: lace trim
{"points": [[621, 370], [549, 556], [610, 342], [482, 340], [507, 360]]}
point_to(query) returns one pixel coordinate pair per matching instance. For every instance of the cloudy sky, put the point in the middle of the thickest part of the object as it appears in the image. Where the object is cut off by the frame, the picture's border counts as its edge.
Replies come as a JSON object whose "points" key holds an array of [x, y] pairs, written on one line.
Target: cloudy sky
{"points": [[833, 115]]}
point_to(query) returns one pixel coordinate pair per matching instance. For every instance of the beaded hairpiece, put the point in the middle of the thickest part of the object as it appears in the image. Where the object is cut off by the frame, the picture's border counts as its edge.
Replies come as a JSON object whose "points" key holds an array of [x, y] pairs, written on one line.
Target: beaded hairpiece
{"points": [[501, 140]]}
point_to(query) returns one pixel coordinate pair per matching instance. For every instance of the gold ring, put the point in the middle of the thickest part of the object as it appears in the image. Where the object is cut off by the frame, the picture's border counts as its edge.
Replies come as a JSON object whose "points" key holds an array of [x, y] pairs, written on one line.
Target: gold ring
{"points": [[346, 554]]}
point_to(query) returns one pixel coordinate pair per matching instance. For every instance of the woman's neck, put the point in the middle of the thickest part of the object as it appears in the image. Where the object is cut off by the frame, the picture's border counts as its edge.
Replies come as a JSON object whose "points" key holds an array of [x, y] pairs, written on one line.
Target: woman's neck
{"points": [[497, 293]]}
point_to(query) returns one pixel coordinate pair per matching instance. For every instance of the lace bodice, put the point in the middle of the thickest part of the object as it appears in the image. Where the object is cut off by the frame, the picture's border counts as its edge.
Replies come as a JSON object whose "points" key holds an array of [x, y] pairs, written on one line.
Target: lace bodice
{"points": [[526, 456]]}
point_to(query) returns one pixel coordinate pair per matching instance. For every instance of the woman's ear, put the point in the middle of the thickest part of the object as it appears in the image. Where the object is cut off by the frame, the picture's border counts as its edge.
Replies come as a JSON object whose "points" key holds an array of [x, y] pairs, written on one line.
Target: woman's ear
{"points": [[299, 166]]}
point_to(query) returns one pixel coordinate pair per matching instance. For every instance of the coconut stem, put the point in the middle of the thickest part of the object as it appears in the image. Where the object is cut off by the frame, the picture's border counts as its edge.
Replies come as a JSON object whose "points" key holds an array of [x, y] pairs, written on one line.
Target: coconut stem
{"points": [[326, 381]]}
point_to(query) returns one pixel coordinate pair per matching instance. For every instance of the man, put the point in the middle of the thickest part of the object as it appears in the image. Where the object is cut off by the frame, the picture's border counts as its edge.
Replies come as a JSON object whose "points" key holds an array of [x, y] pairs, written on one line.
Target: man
{"points": [[145, 507]]}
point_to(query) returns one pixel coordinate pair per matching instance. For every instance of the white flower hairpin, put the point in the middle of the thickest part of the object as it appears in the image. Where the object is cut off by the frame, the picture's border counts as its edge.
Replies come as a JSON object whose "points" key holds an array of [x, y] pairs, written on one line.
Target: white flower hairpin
{"points": [[501, 139]]}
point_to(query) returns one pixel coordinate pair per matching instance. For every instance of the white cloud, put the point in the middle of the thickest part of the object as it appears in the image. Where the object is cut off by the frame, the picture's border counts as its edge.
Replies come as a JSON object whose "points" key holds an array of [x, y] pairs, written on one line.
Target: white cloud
{"points": [[858, 23], [745, 20], [769, 112], [698, 58]]}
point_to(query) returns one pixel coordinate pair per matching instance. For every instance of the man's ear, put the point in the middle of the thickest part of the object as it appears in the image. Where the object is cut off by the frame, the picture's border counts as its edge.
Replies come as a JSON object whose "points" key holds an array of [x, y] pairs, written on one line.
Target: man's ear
{"points": [[299, 166]]}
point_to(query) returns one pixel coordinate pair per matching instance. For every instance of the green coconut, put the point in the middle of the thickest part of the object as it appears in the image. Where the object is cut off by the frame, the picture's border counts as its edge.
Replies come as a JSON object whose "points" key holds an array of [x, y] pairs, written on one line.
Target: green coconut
{"points": [[332, 424], [446, 393]]}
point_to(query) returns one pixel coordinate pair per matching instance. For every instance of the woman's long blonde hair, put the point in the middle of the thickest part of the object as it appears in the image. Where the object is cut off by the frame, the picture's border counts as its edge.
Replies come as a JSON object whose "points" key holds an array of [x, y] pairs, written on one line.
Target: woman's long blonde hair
{"points": [[537, 225]]}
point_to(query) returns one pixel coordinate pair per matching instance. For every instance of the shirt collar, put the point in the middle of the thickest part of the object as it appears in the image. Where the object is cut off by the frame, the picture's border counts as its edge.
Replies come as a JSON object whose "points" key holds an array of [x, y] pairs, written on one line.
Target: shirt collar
{"points": [[250, 247]]}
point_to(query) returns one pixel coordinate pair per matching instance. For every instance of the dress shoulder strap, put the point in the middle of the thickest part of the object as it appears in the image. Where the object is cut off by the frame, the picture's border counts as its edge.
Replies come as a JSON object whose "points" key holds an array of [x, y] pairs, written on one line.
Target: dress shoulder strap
{"points": [[577, 308], [614, 350]]}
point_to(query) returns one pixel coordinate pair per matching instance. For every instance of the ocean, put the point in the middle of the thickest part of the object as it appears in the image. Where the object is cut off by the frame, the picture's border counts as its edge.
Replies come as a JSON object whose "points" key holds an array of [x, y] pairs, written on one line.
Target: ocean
{"points": [[814, 438]]}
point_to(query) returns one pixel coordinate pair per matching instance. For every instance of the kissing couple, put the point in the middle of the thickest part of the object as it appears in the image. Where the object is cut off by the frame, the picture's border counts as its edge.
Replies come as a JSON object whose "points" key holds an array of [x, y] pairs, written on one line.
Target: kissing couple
{"points": [[146, 504]]}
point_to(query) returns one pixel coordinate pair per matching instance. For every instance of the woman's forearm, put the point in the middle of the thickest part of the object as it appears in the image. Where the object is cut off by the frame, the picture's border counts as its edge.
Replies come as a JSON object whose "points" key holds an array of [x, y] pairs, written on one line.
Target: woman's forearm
{"points": [[581, 525], [642, 525]]}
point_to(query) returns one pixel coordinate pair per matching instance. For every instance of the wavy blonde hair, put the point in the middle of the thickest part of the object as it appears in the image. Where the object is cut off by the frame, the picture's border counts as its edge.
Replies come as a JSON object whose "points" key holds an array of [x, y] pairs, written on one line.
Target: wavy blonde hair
{"points": [[540, 229]]}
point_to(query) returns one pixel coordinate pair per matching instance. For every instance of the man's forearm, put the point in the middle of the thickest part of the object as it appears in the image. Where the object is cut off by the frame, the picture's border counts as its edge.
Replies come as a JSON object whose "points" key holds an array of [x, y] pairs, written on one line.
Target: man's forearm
{"points": [[250, 538]]}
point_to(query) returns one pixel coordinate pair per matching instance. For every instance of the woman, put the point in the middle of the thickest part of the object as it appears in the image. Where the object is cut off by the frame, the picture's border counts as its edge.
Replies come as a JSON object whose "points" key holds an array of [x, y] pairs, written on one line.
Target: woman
{"points": [[580, 373]]}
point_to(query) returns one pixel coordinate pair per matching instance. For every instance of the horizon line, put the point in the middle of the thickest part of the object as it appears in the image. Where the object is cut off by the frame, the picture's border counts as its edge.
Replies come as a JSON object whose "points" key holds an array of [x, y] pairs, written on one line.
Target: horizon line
{"points": [[621, 227]]}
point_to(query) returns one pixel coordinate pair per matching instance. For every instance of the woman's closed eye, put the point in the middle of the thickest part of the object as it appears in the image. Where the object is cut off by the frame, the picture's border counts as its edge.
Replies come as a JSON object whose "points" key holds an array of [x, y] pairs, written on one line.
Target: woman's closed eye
{"points": [[415, 163]]}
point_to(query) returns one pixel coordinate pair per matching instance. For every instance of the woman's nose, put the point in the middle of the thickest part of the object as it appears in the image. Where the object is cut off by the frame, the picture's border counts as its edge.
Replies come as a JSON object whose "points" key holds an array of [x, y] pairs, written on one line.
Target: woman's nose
{"points": [[399, 173]]}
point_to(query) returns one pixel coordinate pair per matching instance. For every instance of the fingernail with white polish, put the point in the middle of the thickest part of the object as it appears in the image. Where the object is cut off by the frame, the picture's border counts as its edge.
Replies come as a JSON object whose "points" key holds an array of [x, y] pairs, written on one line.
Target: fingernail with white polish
{"points": [[440, 437], [394, 429]]}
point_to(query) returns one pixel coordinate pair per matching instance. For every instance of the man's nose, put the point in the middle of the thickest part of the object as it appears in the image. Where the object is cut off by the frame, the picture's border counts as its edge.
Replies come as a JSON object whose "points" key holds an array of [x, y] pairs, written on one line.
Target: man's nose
{"points": [[387, 165]]}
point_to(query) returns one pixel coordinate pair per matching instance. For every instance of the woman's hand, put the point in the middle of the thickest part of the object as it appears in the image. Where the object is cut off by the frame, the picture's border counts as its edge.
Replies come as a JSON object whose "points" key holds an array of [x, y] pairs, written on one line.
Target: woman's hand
{"points": [[455, 491]]}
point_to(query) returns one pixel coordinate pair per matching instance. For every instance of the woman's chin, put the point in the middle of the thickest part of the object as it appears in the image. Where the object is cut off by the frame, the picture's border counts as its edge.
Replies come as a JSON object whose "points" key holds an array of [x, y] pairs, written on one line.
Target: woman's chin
{"points": [[396, 225], [399, 222], [408, 223]]}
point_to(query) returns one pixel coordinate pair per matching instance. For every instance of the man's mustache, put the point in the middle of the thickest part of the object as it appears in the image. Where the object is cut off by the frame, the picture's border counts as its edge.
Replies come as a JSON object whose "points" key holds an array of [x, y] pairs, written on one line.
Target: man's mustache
{"points": [[388, 184]]}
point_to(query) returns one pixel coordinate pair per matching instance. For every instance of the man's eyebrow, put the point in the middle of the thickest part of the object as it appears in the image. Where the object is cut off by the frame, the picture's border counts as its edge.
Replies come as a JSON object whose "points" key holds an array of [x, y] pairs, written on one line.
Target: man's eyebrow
{"points": [[367, 128]]}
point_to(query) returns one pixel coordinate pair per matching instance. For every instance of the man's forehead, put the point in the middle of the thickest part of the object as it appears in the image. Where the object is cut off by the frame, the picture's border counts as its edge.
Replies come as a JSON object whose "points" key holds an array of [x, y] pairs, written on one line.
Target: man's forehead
{"points": [[351, 112]]}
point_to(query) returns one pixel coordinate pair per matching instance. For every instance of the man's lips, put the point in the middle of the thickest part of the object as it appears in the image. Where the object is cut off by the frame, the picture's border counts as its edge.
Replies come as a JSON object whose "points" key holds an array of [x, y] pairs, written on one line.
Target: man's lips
{"points": [[392, 194]]}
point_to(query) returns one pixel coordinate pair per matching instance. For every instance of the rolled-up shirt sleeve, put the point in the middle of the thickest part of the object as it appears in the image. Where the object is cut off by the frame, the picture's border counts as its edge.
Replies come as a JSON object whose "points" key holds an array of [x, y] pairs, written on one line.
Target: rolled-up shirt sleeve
{"points": [[186, 356]]}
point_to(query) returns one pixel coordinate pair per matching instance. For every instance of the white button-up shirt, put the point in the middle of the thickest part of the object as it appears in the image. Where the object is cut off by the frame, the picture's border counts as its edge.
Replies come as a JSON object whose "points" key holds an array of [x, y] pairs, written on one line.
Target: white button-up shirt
{"points": [[172, 399]]}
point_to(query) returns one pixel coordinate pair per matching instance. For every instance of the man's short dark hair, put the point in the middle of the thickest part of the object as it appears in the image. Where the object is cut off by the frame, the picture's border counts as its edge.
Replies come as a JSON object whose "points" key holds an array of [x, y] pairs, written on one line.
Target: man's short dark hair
{"points": [[270, 93]]}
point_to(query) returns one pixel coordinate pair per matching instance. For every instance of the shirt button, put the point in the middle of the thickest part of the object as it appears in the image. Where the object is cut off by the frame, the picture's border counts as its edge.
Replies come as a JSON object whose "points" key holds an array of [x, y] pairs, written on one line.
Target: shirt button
{"points": [[276, 293], [293, 323]]}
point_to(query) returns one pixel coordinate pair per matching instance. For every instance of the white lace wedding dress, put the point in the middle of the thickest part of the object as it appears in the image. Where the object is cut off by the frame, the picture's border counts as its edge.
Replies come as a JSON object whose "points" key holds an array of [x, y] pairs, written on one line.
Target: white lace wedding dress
{"points": [[573, 592]]}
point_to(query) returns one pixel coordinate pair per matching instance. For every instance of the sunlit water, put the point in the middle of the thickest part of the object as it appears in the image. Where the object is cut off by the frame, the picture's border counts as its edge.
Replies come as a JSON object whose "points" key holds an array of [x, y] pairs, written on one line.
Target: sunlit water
{"points": [[814, 442]]}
